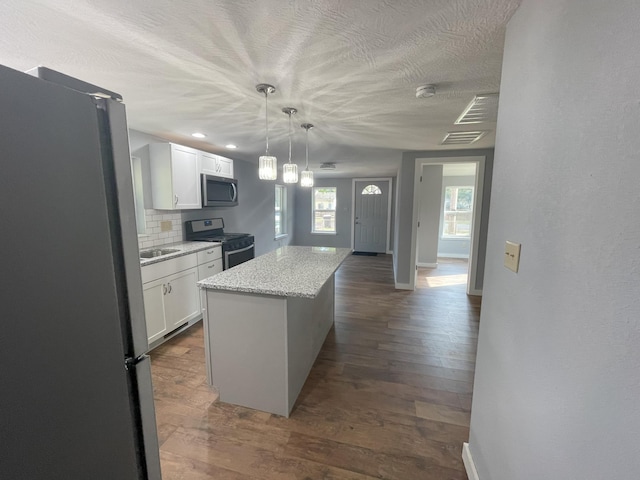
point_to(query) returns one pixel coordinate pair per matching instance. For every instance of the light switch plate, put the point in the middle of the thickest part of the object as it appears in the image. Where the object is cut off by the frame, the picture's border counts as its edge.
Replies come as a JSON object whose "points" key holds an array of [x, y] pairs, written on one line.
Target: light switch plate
{"points": [[512, 256], [166, 226]]}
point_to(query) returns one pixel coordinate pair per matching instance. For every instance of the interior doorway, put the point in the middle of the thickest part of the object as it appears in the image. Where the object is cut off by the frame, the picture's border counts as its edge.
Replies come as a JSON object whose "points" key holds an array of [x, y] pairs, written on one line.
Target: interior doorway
{"points": [[371, 215], [456, 210], [447, 207]]}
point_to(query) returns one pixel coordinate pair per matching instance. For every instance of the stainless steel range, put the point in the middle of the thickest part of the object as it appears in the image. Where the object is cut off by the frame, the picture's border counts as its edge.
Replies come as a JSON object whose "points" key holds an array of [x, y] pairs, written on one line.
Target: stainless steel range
{"points": [[236, 247]]}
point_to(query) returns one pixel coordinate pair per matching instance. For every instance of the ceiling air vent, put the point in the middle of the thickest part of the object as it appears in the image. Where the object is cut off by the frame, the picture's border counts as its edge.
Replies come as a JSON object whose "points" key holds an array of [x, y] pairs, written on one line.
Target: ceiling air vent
{"points": [[483, 108], [328, 166], [463, 138]]}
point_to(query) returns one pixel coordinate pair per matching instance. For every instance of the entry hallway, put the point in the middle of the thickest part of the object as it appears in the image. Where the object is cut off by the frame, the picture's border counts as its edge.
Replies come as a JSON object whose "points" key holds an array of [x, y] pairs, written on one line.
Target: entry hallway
{"points": [[389, 396]]}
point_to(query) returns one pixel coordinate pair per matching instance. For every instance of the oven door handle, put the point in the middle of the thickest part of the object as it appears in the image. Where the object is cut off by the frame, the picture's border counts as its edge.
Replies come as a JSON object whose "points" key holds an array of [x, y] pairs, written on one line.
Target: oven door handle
{"points": [[232, 252]]}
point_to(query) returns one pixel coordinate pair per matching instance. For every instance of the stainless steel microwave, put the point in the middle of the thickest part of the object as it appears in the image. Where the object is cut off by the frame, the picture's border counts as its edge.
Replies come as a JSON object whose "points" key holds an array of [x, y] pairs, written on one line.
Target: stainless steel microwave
{"points": [[219, 191]]}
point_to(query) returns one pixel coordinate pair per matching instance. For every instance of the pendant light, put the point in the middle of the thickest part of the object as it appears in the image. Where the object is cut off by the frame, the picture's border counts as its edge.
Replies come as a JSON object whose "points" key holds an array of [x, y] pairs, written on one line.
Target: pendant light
{"points": [[290, 170], [306, 177], [268, 165]]}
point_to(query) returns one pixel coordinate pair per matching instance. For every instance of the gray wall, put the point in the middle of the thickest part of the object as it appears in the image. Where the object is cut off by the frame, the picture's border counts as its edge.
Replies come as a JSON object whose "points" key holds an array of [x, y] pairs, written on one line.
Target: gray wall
{"points": [[430, 213], [403, 269], [557, 383], [138, 143], [303, 235], [255, 213], [454, 247]]}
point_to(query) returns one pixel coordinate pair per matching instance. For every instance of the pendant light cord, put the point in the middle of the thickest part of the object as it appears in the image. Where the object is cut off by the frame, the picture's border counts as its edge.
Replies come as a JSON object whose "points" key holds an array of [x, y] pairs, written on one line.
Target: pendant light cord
{"points": [[307, 166], [266, 119], [290, 138]]}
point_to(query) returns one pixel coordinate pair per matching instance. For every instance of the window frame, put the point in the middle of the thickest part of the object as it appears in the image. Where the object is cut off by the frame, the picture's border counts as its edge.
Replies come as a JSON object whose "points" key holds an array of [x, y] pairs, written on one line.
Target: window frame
{"points": [[444, 213], [281, 191], [314, 210], [372, 191]]}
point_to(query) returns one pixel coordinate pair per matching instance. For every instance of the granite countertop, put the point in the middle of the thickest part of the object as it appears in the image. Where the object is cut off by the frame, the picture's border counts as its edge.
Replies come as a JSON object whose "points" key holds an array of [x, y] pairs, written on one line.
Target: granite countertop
{"points": [[185, 248], [285, 272]]}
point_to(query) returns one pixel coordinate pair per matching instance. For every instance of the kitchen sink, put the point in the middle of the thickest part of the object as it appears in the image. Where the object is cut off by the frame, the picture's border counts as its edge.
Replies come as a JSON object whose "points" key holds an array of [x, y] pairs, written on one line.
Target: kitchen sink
{"points": [[158, 252]]}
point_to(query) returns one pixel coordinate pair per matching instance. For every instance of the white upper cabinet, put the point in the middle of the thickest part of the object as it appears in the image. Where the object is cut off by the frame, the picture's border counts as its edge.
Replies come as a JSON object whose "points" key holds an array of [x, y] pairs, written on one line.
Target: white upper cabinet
{"points": [[175, 177], [175, 174], [211, 164]]}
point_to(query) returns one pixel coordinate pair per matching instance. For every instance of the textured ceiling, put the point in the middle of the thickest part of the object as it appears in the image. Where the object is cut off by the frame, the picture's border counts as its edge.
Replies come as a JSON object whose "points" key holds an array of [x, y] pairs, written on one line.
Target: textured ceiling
{"points": [[350, 67]]}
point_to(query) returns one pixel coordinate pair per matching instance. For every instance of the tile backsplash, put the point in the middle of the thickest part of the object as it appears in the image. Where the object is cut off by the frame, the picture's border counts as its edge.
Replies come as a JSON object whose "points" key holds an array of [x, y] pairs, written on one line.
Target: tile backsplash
{"points": [[154, 235]]}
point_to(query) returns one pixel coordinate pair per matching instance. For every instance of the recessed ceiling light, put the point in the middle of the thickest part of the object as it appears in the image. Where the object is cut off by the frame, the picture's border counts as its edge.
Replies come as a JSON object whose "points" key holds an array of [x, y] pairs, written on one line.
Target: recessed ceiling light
{"points": [[231, 146], [198, 135]]}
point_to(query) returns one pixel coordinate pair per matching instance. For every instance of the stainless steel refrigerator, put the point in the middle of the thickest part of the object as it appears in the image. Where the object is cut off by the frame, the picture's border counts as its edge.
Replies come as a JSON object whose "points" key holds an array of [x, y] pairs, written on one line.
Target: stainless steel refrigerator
{"points": [[76, 399]]}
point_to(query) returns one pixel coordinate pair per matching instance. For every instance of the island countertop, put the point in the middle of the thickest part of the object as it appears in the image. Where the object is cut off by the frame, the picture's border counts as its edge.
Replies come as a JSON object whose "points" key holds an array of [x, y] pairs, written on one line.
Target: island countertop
{"points": [[285, 272]]}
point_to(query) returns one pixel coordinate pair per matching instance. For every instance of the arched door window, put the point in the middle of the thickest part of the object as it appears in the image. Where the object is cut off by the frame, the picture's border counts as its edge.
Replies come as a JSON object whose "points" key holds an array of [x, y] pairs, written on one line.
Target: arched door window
{"points": [[371, 190]]}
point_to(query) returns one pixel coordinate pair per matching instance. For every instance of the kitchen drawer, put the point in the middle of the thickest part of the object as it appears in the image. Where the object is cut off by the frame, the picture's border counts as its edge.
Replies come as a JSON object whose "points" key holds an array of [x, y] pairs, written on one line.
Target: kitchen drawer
{"points": [[210, 268], [168, 267], [213, 253]]}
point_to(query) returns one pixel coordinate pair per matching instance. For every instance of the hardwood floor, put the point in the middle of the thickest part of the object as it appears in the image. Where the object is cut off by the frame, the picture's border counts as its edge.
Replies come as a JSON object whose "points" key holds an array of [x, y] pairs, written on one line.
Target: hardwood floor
{"points": [[388, 397]]}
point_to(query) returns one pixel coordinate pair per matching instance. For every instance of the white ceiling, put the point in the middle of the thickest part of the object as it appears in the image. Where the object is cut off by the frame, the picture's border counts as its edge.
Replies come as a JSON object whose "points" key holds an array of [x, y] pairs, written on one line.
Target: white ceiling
{"points": [[350, 67]]}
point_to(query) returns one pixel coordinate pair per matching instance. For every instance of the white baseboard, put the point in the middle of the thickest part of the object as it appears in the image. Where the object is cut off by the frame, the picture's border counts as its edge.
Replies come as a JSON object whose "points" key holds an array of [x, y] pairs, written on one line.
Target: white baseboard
{"points": [[469, 466], [403, 286], [475, 293], [427, 265], [453, 255]]}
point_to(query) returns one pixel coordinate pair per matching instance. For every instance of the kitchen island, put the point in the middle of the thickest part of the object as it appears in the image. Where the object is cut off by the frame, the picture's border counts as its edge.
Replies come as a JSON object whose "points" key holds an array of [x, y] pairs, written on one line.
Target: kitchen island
{"points": [[265, 322]]}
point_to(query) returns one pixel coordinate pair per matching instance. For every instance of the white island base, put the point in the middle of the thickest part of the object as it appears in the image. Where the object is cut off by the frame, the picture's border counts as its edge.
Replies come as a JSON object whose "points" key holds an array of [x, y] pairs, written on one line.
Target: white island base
{"points": [[260, 348]]}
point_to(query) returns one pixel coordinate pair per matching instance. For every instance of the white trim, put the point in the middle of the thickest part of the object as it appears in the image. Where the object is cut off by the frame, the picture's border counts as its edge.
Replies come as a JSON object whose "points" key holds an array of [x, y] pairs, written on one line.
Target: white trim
{"points": [[427, 265], [353, 208], [469, 464], [281, 190], [389, 252], [479, 160], [475, 293], [400, 286], [452, 255], [313, 211]]}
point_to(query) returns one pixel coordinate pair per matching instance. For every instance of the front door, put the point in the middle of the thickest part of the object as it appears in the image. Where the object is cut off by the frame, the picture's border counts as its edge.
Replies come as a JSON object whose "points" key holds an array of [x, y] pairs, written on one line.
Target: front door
{"points": [[371, 216]]}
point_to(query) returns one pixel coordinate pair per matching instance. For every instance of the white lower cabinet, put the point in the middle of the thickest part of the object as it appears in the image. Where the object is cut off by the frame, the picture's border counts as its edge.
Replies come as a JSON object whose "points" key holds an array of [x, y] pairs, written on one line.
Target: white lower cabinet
{"points": [[171, 296], [182, 302], [154, 309], [209, 269], [209, 262]]}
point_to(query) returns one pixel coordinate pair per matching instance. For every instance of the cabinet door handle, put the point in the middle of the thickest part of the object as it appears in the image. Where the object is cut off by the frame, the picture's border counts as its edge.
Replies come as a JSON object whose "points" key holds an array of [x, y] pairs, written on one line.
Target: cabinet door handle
{"points": [[164, 289], [169, 287], [212, 265], [176, 199], [210, 252]]}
